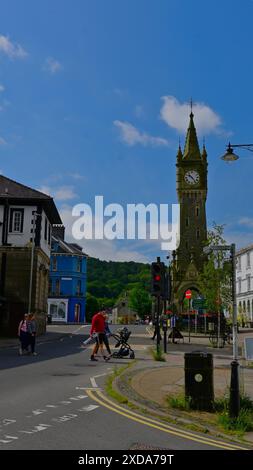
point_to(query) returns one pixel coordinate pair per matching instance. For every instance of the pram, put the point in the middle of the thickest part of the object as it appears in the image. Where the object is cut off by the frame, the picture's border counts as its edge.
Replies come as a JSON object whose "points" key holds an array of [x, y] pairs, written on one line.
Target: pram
{"points": [[125, 349]]}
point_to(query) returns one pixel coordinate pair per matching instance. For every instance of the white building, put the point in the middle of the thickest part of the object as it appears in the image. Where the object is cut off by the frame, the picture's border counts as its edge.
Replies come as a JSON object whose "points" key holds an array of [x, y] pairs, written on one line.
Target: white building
{"points": [[244, 282], [26, 220]]}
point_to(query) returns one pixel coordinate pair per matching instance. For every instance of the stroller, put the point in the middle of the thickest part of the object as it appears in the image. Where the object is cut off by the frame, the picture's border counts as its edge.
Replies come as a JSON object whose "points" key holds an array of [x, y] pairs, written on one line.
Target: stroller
{"points": [[122, 337]]}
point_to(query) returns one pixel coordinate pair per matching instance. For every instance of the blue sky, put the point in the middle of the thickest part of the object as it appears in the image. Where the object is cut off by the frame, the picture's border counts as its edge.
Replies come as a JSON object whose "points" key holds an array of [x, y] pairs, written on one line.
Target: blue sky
{"points": [[93, 100]]}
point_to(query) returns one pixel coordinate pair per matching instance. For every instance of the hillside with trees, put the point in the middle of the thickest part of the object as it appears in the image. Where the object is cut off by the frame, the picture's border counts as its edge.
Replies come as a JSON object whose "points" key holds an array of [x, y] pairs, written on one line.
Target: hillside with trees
{"points": [[108, 280]]}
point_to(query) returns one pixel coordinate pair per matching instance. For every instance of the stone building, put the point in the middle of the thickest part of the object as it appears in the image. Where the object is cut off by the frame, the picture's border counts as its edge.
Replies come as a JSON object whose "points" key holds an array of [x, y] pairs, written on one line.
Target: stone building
{"points": [[26, 219]]}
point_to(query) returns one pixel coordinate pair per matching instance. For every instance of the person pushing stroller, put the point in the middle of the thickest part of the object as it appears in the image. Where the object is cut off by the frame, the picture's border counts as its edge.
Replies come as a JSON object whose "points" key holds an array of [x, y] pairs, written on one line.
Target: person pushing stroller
{"points": [[98, 326]]}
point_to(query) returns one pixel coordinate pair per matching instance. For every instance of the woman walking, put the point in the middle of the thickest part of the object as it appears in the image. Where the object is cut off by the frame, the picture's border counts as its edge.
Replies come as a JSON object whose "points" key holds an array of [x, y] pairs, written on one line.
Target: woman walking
{"points": [[23, 335], [32, 329]]}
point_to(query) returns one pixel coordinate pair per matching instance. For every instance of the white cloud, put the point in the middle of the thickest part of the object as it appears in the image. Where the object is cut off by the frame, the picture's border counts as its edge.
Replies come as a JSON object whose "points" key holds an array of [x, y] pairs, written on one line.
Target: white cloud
{"points": [[63, 193], [132, 136], [247, 221], [1, 88], [108, 250], [76, 176], [12, 50], [176, 115], [52, 66]]}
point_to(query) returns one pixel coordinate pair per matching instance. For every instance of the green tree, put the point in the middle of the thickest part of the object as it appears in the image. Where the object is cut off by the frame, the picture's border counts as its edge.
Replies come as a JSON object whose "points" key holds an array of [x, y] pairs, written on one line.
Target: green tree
{"points": [[140, 301], [92, 306], [215, 280]]}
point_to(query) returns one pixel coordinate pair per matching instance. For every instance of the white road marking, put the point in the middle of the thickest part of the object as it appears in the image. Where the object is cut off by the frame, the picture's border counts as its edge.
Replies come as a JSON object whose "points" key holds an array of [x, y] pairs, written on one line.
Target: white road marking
{"points": [[83, 326], [93, 381], [88, 408], [81, 388], [63, 419], [7, 421], [52, 406], [40, 427], [65, 402]]}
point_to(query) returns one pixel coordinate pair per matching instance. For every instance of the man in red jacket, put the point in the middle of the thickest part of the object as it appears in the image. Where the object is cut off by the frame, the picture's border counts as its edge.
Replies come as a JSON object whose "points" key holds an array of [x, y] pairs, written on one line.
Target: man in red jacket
{"points": [[98, 327]]}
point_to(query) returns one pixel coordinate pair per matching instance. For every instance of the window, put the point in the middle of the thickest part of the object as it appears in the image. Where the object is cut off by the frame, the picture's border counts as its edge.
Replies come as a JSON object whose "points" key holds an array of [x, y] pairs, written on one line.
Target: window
{"points": [[248, 306], [248, 260], [187, 222], [239, 263], [79, 265], [54, 263], [78, 287], [248, 283], [57, 287], [58, 311], [239, 285], [197, 211], [16, 220], [50, 286], [45, 229], [198, 233]]}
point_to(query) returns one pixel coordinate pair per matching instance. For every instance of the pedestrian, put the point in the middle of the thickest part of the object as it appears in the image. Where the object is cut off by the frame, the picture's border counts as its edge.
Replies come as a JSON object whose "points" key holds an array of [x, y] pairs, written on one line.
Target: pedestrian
{"points": [[157, 329], [98, 327], [23, 335], [32, 330]]}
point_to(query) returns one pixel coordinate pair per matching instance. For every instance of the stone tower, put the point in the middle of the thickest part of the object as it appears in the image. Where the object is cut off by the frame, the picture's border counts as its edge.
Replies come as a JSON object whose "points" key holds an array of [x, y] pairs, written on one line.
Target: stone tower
{"points": [[192, 193]]}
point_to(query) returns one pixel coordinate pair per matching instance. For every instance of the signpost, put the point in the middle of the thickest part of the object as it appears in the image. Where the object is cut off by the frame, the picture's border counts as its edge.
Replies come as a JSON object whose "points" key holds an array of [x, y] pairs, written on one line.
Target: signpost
{"points": [[188, 295]]}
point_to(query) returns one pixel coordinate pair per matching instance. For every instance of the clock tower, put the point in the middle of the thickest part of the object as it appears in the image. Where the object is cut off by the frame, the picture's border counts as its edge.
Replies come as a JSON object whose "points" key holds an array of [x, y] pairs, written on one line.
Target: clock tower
{"points": [[192, 193]]}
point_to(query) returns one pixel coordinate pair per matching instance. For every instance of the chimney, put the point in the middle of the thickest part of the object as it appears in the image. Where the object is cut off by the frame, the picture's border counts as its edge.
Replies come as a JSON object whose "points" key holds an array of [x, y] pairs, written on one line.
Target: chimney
{"points": [[58, 231]]}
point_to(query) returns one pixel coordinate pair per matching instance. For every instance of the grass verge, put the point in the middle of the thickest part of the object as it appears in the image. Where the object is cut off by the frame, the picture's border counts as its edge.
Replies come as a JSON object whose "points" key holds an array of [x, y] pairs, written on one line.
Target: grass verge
{"points": [[117, 371]]}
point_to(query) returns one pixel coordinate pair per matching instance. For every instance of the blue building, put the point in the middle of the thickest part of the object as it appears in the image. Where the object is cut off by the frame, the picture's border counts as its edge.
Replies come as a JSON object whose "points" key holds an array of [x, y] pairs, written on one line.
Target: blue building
{"points": [[67, 284]]}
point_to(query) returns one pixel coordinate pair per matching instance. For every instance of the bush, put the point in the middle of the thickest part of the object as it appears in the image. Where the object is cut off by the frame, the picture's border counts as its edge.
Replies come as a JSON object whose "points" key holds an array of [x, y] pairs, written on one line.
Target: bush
{"points": [[243, 423], [179, 402]]}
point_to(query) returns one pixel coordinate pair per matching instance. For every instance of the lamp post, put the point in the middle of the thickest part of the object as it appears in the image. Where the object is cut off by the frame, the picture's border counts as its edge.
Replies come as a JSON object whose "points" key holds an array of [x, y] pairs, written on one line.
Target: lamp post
{"points": [[230, 156], [35, 215], [234, 402]]}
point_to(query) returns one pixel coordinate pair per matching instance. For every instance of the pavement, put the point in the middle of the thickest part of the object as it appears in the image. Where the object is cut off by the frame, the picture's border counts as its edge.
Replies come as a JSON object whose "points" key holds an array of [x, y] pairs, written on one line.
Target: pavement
{"points": [[148, 383]]}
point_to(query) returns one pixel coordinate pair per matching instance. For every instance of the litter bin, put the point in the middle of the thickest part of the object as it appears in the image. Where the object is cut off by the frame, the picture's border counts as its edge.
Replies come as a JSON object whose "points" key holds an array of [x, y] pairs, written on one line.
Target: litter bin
{"points": [[49, 319], [199, 388]]}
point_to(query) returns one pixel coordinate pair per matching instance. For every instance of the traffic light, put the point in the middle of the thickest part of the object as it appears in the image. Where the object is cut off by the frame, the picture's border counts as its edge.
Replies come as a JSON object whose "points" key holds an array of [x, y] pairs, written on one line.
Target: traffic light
{"points": [[157, 279], [167, 286]]}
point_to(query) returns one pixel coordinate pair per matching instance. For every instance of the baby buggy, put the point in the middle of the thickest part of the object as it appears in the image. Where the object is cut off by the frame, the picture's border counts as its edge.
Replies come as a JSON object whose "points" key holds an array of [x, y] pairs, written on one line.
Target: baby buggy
{"points": [[125, 349]]}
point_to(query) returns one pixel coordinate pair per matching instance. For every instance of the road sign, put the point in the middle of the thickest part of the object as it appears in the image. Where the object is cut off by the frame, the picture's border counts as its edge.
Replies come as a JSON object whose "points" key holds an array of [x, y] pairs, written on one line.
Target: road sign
{"points": [[188, 294], [199, 303]]}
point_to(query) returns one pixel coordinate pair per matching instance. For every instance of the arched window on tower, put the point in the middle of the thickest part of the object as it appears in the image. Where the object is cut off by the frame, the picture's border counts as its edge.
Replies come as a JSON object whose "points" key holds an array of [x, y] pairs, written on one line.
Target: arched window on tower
{"points": [[198, 233], [197, 211]]}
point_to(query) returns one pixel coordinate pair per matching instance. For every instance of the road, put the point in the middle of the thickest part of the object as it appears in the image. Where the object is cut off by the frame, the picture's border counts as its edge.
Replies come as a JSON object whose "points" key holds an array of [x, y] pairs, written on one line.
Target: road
{"points": [[56, 400]]}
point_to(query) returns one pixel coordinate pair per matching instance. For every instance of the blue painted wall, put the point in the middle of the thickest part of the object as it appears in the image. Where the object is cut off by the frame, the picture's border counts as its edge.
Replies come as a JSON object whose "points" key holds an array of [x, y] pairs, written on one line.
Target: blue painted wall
{"points": [[71, 272]]}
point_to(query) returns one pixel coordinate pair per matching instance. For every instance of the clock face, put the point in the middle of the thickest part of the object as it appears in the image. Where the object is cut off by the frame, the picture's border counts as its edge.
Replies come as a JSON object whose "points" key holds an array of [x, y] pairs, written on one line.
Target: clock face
{"points": [[192, 177]]}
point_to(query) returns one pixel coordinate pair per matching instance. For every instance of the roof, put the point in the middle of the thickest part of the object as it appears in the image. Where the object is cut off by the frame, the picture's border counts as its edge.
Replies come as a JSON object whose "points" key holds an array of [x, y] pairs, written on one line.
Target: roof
{"points": [[191, 149], [244, 250], [68, 248], [16, 192]]}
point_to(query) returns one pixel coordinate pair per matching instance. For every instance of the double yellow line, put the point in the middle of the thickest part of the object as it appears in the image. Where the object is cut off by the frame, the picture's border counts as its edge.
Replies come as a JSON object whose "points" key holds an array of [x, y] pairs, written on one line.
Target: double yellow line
{"points": [[100, 398]]}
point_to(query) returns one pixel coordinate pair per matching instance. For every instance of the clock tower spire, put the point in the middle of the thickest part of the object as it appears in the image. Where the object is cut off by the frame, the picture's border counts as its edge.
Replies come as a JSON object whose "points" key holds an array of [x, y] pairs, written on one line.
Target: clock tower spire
{"points": [[192, 193]]}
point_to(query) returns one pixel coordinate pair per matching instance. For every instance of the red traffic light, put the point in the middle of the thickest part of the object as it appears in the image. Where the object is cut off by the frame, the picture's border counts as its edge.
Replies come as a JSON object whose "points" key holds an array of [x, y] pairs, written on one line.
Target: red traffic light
{"points": [[157, 278]]}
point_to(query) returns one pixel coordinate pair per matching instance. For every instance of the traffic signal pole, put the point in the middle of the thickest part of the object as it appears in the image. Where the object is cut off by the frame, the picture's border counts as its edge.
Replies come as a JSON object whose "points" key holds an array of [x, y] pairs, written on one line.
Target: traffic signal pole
{"points": [[158, 325]]}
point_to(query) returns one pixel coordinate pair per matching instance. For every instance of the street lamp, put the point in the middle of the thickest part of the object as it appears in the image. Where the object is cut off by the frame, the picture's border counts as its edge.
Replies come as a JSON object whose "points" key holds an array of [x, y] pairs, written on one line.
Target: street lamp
{"points": [[35, 215], [230, 156], [234, 402]]}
